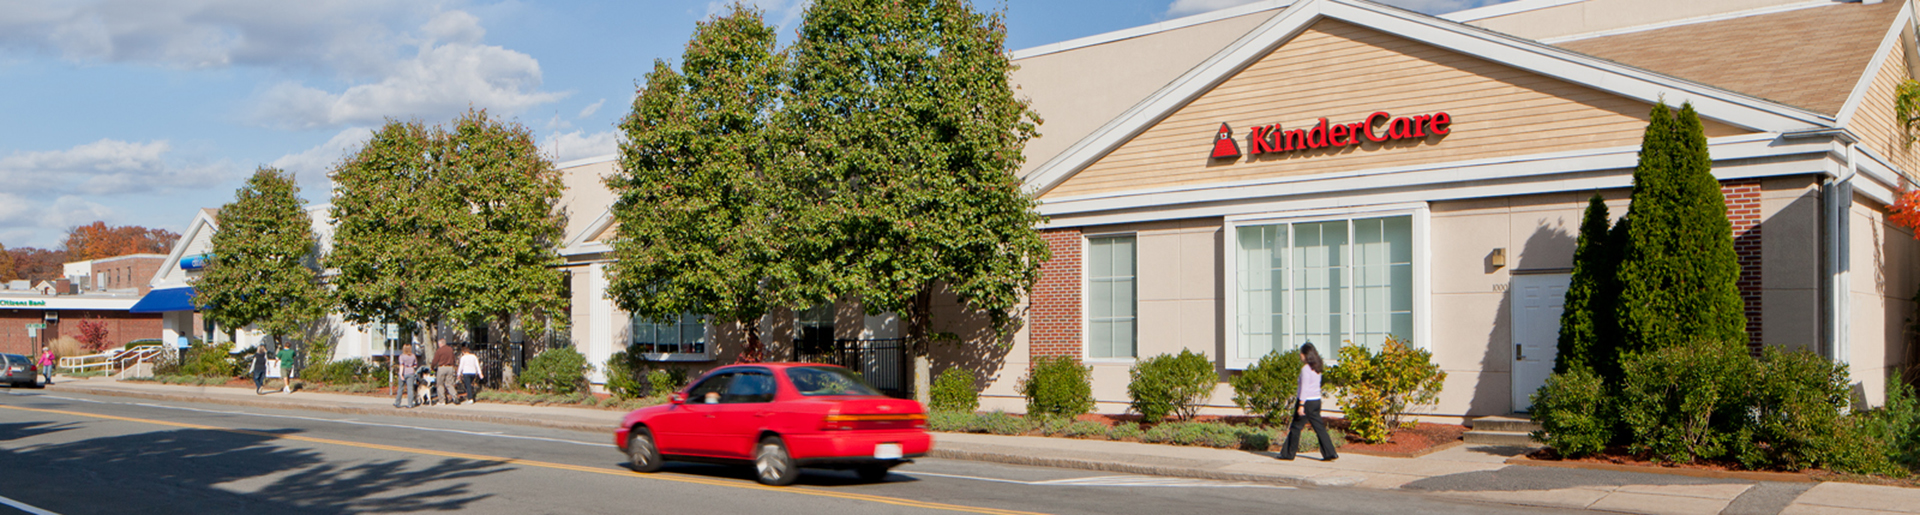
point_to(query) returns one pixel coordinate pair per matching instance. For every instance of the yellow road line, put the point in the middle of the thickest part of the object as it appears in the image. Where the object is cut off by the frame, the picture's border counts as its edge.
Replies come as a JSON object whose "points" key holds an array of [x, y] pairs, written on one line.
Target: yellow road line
{"points": [[557, 466]]}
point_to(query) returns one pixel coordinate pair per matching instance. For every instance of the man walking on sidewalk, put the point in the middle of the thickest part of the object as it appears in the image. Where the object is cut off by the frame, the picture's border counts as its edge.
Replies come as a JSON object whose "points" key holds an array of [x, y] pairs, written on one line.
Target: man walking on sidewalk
{"points": [[443, 361], [409, 374]]}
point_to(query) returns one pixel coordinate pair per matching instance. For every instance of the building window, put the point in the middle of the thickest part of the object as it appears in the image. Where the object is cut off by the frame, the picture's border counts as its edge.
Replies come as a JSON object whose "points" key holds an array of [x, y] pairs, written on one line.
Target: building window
{"points": [[685, 335], [813, 331], [1326, 282], [1110, 298]]}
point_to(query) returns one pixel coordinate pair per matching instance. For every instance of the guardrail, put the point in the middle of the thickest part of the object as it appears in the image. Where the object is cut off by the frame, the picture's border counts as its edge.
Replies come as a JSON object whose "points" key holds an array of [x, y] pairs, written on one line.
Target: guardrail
{"points": [[110, 362]]}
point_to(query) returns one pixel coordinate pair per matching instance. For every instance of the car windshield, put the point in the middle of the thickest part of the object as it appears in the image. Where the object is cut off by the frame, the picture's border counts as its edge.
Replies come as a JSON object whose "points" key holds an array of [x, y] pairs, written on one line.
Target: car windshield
{"points": [[827, 381]]}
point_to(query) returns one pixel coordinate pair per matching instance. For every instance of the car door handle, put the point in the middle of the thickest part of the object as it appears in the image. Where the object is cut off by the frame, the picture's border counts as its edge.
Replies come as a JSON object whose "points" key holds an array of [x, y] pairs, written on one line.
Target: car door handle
{"points": [[763, 414]]}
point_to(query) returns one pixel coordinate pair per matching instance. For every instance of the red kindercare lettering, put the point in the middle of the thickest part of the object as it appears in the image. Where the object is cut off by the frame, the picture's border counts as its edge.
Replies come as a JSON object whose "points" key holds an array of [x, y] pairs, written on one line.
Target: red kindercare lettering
{"points": [[1378, 127]]}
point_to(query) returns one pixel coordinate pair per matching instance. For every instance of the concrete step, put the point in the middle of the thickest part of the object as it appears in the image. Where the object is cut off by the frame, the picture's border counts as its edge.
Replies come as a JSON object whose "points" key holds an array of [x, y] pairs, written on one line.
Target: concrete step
{"points": [[1504, 424], [1505, 438]]}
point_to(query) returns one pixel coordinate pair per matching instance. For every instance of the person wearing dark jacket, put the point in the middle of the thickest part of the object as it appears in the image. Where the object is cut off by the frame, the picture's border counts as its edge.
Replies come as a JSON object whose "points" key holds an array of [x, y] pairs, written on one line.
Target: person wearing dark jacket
{"points": [[443, 376], [1307, 407], [259, 369]]}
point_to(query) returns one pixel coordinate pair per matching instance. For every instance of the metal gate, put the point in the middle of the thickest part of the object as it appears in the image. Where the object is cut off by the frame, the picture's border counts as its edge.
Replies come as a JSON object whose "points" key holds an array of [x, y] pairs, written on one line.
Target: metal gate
{"points": [[881, 362]]}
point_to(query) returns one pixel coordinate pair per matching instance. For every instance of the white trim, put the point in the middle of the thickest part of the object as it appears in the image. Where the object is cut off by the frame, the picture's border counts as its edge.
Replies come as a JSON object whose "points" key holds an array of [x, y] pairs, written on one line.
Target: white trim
{"points": [[1726, 106], [1509, 8], [1690, 21], [599, 224], [1865, 83], [585, 161], [201, 222], [1420, 214], [1147, 30]]}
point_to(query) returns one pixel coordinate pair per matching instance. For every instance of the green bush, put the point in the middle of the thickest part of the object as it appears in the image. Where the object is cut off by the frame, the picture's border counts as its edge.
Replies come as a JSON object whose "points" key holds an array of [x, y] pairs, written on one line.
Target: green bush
{"points": [[1685, 402], [622, 380], [215, 360], [954, 391], [1058, 385], [662, 381], [1170, 384], [950, 421], [1266, 388], [1573, 414], [345, 372], [1793, 407], [1085, 429], [1001, 423], [1884, 440], [1126, 431], [560, 370], [1051, 425], [1377, 389]]}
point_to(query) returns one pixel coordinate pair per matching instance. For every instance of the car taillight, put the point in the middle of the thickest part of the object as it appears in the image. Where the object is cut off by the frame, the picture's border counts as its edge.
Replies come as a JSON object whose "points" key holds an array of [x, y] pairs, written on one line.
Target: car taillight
{"points": [[840, 422]]}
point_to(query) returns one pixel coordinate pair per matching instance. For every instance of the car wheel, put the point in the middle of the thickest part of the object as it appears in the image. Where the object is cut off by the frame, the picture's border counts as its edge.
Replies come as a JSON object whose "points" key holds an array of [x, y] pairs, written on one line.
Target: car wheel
{"points": [[872, 473], [642, 455], [772, 465]]}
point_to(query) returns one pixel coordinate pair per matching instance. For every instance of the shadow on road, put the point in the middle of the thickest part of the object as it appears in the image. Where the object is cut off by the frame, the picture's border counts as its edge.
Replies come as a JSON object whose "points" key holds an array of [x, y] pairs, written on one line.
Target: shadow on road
{"points": [[808, 476], [213, 471]]}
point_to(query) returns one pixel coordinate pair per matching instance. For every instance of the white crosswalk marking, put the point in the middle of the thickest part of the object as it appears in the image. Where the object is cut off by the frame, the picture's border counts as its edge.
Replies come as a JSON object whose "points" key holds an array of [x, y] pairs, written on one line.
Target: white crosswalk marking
{"points": [[1148, 481]]}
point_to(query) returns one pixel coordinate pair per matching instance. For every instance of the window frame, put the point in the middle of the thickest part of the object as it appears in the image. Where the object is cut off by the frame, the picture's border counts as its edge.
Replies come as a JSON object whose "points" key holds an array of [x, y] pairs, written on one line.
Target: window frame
{"points": [[706, 334], [1086, 297], [1420, 216]]}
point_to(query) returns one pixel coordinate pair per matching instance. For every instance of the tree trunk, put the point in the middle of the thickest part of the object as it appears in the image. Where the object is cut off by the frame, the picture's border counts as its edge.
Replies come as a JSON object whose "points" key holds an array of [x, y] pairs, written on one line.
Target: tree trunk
{"points": [[754, 351], [919, 321]]}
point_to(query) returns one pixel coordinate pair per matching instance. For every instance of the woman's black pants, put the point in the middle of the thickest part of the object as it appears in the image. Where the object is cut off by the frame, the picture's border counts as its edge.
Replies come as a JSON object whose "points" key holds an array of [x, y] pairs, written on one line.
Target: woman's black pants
{"points": [[1319, 427]]}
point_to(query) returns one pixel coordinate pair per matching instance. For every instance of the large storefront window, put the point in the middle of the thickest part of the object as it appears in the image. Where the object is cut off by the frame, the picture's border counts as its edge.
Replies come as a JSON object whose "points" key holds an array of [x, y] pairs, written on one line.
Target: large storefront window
{"points": [[1110, 297], [1327, 282], [687, 335]]}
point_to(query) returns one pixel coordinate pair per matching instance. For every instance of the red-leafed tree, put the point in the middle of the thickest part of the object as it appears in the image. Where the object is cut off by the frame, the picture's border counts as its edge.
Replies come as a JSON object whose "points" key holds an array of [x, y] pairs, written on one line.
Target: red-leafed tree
{"points": [[1905, 212], [93, 334], [99, 240], [35, 264]]}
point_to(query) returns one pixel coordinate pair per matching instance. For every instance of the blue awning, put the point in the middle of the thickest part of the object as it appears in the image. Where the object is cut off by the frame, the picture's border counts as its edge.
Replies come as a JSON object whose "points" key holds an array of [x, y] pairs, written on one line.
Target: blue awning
{"points": [[164, 300]]}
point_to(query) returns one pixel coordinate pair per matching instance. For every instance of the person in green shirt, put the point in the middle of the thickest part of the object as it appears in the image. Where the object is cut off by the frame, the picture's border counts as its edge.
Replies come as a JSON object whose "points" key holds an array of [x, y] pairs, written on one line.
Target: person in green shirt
{"points": [[286, 368]]}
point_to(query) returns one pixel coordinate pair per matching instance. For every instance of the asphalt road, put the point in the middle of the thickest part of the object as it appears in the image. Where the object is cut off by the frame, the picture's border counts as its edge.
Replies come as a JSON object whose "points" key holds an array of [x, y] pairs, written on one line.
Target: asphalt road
{"points": [[70, 454]]}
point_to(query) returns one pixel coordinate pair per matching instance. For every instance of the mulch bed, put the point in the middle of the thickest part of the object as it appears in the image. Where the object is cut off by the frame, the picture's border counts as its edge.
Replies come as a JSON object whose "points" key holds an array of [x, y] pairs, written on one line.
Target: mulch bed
{"points": [[1618, 458], [1421, 439]]}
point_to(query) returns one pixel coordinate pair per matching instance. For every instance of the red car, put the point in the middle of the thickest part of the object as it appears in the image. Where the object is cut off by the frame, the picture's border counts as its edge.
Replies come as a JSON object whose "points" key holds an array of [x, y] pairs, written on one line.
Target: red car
{"points": [[780, 417]]}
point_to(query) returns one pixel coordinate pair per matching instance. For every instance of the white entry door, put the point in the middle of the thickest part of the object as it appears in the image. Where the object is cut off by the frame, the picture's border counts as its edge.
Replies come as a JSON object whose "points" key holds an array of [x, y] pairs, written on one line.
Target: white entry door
{"points": [[1537, 303]]}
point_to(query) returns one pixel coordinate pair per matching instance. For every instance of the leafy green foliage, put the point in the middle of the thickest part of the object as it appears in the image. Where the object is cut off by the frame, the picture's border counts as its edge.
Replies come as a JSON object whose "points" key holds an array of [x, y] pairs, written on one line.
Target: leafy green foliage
{"points": [[623, 379], [203, 360], [954, 391], [1376, 390], [1268, 387], [263, 271], [346, 371], [1793, 406], [391, 211], [1572, 410], [559, 370], [664, 381], [1679, 271], [905, 137], [1058, 385], [704, 222], [1589, 327], [1171, 384], [1685, 402]]}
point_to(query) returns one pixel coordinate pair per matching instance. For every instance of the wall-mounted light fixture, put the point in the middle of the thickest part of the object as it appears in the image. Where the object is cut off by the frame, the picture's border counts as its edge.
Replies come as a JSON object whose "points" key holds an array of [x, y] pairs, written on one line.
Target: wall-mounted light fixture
{"points": [[1498, 258]]}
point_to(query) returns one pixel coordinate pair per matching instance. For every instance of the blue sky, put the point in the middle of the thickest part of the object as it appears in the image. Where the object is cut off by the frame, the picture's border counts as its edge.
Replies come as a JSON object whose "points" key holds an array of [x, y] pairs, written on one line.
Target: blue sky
{"points": [[138, 112]]}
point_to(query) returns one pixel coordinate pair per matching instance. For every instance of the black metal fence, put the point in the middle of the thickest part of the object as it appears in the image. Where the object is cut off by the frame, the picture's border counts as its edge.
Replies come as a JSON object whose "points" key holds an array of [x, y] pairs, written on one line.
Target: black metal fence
{"points": [[881, 362]]}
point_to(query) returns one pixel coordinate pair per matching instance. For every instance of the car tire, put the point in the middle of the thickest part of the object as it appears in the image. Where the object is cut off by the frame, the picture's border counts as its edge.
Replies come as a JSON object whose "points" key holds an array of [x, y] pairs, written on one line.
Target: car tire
{"points": [[773, 465], [872, 473], [642, 454]]}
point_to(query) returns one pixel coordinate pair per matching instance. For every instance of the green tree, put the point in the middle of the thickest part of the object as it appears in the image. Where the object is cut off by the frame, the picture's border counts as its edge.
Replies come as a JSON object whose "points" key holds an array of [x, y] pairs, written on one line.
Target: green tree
{"points": [[910, 137], [391, 213], [506, 230], [701, 217], [1589, 330], [259, 273], [1679, 272]]}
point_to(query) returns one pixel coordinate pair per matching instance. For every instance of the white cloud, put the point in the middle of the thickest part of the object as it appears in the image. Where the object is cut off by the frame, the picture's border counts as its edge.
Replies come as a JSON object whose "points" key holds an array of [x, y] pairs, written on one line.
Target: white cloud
{"points": [[455, 27], [311, 167], [349, 37], [568, 146], [592, 108], [69, 211], [82, 181]]}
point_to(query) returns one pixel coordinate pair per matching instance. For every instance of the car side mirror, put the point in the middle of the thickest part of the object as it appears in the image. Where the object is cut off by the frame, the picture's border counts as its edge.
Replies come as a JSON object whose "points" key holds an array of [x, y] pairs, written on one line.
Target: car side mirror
{"points": [[677, 398]]}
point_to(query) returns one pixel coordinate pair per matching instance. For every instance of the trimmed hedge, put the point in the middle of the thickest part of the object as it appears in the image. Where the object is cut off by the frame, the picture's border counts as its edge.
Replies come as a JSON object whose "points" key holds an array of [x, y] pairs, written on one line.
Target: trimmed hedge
{"points": [[1266, 388], [560, 370], [1572, 410], [1170, 384], [954, 391], [1058, 385]]}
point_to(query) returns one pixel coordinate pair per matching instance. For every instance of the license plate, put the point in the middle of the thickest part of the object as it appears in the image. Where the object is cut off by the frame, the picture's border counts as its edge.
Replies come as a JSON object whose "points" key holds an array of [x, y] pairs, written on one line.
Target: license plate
{"points": [[887, 451]]}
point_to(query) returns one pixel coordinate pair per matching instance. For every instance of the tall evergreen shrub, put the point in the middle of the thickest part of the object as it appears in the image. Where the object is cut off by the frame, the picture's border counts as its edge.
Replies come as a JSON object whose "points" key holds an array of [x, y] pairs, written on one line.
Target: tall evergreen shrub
{"points": [[1679, 272], [1589, 330]]}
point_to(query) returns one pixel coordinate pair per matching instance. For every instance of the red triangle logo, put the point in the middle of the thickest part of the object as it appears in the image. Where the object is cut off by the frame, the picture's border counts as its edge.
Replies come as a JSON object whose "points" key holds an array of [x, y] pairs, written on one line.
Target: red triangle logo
{"points": [[1223, 144]]}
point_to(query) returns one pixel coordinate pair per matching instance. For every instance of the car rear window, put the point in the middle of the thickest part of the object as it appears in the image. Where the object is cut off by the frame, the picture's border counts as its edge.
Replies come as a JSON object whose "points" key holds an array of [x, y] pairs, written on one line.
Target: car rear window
{"points": [[813, 381]]}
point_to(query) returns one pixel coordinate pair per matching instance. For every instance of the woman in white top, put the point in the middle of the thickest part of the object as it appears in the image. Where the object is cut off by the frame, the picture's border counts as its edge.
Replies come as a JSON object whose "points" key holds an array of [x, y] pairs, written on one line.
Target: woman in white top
{"points": [[470, 374], [1307, 407]]}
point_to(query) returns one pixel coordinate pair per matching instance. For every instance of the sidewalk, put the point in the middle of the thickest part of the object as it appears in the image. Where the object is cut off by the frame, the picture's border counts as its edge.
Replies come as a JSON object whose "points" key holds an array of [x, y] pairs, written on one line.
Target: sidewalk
{"points": [[1470, 473]]}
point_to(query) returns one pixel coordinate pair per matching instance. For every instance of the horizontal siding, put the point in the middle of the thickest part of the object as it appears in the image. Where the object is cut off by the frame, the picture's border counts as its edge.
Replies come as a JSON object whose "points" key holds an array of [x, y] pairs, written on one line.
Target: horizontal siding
{"points": [[1344, 72], [1874, 120]]}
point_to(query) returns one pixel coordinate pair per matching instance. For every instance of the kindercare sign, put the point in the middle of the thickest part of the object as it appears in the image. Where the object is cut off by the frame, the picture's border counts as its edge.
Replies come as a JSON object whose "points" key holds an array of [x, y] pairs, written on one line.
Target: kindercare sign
{"points": [[1378, 127]]}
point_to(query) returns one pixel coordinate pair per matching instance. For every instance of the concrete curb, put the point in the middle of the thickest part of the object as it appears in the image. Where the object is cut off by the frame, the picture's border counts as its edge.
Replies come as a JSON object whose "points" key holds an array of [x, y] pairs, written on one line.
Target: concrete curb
{"points": [[331, 408], [1130, 468]]}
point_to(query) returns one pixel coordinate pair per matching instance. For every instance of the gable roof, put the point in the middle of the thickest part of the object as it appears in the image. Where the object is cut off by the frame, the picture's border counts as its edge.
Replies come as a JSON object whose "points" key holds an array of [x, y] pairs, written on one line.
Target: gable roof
{"points": [[1809, 58], [1719, 104]]}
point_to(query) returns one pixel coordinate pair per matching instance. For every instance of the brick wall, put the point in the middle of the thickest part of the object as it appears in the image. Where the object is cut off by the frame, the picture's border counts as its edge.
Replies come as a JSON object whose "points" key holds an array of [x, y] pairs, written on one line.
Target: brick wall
{"points": [[1056, 297], [125, 272], [122, 327], [1743, 210]]}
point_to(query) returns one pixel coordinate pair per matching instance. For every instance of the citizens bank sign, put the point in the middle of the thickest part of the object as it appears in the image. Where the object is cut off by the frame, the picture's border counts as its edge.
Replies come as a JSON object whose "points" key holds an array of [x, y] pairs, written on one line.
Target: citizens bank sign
{"points": [[9, 303], [1378, 127]]}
